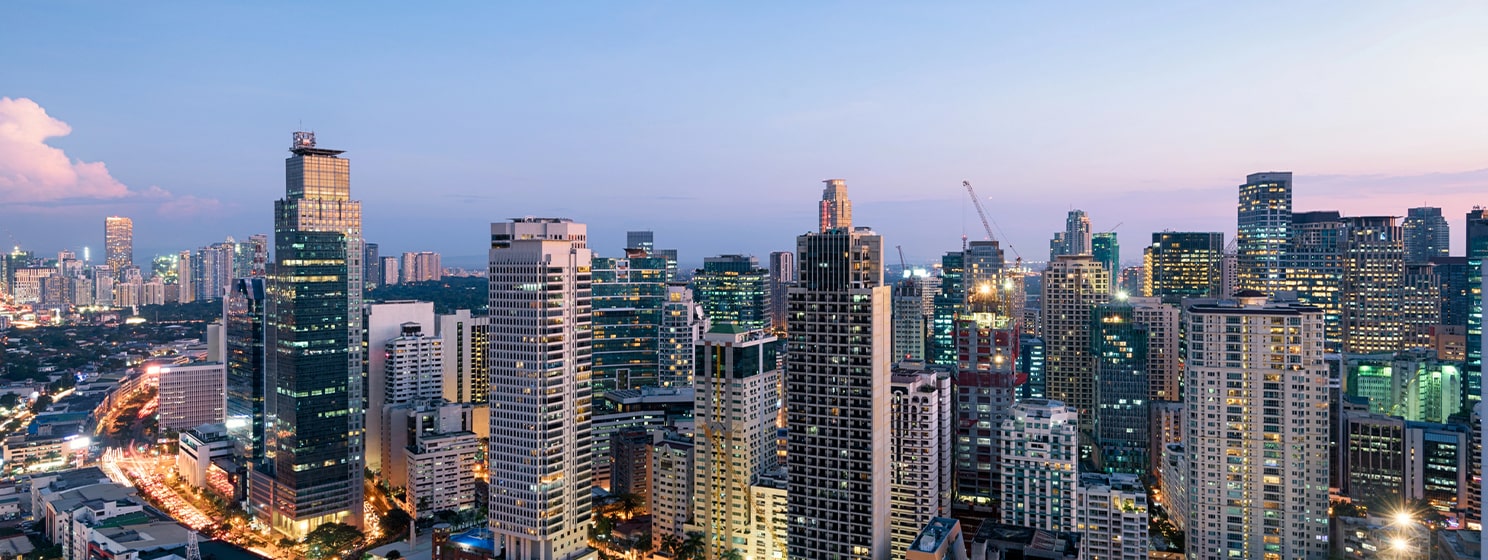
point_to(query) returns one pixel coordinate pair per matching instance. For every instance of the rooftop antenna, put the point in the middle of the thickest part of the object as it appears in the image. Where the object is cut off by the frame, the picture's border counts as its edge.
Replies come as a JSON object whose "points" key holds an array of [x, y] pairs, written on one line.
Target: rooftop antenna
{"points": [[193, 550]]}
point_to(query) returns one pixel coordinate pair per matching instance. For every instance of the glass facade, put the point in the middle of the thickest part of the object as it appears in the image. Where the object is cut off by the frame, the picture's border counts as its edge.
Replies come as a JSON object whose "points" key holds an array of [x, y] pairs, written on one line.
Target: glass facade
{"points": [[1314, 268], [1119, 345], [1477, 253], [734, 289], [1265, 216], [244, 316], [1182, 265], [628, 297], [949, 303]]}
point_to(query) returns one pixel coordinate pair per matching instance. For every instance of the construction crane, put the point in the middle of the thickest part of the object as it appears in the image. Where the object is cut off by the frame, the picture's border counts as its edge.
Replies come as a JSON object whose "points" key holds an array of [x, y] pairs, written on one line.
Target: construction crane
{"points": [[981, 212], [902, 265], [1113, 228], [987, 222]]}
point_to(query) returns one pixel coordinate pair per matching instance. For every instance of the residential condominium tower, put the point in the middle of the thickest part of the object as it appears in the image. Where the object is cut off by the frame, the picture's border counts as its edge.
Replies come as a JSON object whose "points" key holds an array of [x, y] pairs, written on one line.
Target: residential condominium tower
{"points": [[737, 401], [118, 242], [1256, 391], [1373, 285], [314, 412], [1073, 285], [1040, 448], [837, 401], [541, 446]]}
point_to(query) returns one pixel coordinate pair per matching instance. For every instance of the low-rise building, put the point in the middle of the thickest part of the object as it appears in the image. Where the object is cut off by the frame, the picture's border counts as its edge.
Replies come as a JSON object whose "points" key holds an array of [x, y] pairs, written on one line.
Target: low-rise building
{"points": [[940, 539], [199, 448]]}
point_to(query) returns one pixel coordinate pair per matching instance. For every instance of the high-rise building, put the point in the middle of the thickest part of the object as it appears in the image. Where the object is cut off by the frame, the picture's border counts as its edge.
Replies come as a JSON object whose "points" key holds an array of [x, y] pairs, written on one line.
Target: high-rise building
{"points": [[733, 289], [1031, 361], [1039, 454], [185, 288], [434, 457], [191, 394], [1477, 254], [1119, 344], [1077, 235], [782, 273], [1313, 264], [1166, 428], [382, 323], [1413, 384], [1373, 283], [911, 323], [1164, 367], [737, 401], [948, 304], [1451, 275], [372, 265], [920, 449], [630, 460], [1112, 515], [390, 273], [1072, 286], [771, 521], [628, 296], [1185, 264], [837, 401], [540, 399], [1258, 413], [988, 378], [118, 242], [315, 345], [682, 326], [466, 376], [423, 266], [1427, 235], [1421, 304], [643, 240], [415, 366], [212, 270], [672, 491], [1265, 217], [836, 209], [1107, 251], [245, 318]]}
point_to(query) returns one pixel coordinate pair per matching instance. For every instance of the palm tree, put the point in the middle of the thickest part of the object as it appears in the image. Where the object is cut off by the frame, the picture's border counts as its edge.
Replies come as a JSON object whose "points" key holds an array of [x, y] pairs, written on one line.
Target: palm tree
{"points": [[691, 548], [669, 545]]}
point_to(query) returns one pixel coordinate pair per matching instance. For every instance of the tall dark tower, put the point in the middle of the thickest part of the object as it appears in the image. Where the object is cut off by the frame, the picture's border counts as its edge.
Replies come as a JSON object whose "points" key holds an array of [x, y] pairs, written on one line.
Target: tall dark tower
{"points": [[313, 414], [245, 318], [1477, 254]]}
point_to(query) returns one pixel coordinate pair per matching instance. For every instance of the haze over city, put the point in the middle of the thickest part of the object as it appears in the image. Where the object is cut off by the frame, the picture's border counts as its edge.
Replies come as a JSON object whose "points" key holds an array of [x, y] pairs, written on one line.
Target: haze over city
{"points": [[713, 125]]}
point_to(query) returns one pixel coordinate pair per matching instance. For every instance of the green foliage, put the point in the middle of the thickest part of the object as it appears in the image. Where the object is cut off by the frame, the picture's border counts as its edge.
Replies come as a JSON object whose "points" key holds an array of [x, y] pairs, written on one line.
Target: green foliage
{"points": [[327, 540], [451, 293], [396, 521]]}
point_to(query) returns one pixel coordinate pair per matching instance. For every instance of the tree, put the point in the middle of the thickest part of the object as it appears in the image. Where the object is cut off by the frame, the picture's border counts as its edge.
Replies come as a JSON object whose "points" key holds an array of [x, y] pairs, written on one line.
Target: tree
{"points": [[691, 548], [670, 544], [396, 521], [9, 400], [327, 540], [394, 555], [730, 554]]}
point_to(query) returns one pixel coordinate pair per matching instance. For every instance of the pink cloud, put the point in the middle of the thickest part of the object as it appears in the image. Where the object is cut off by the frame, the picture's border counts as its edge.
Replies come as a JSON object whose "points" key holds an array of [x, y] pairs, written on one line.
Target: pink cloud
{"points": [[34, 174]]}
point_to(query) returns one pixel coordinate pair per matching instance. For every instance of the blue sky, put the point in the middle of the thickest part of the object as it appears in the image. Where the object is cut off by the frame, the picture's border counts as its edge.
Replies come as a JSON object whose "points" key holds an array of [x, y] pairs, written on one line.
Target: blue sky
{"points": [[714, 123]]}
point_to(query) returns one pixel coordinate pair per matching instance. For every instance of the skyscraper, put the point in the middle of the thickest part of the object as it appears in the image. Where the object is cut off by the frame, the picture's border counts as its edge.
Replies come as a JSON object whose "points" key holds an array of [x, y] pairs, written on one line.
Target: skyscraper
{"points": [[1077, 235], [837, 383], [736, 404], [423, 266], [836, 209], [314, 340], [733, 289], [1268, 436], [643, 240], [1073, 285], [1427, 235], [1107, 251], [1164, 368], [911, 323], [118, 242], [628, 295], [948, 303], [1477, 254], [782, 273], [245, 318], [682, 326], [372, 266], [988, 377], [1184, 264], [466, 347], [1373, 285], [1265, 218], [541, 448], [1313, 265], [1119, 344]]}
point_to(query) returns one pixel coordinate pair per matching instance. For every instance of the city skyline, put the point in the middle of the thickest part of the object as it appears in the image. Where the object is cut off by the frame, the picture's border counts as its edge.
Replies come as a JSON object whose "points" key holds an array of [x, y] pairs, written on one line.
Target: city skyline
{"points": [[834, 102]]}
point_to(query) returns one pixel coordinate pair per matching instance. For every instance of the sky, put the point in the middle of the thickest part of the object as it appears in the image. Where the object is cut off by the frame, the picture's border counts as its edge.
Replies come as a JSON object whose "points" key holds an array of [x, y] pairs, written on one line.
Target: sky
{"points": [[713, 123]]}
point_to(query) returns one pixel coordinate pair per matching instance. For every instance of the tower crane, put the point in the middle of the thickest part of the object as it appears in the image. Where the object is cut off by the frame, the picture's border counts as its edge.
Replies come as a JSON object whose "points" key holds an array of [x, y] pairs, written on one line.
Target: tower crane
{"points": [[987, 222]]}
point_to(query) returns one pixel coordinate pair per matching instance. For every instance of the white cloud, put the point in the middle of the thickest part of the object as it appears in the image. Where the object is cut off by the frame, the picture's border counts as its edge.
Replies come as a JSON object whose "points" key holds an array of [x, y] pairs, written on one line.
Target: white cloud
{"points": [[37, 176]]}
